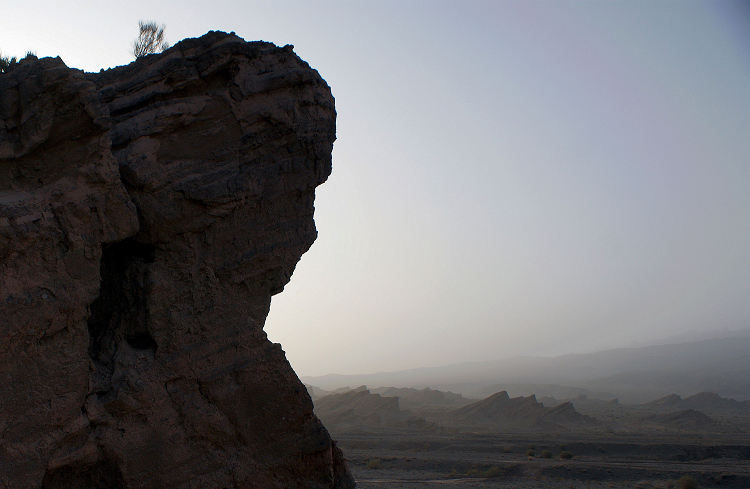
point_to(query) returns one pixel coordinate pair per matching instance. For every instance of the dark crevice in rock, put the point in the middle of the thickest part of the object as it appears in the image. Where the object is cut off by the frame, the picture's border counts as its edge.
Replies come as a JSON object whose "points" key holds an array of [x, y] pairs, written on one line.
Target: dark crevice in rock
{"points": [[101, 475], [120, 312], [128, 109]]}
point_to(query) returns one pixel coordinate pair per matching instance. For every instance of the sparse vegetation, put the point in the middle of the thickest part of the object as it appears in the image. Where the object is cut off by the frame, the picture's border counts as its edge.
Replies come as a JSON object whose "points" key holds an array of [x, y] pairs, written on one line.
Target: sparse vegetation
{"points": [[492, 472], [150, 39], [373, 463], [687, 482], [530, 452], [6, 63], [546, 454], [566, 455], [487, 472]]}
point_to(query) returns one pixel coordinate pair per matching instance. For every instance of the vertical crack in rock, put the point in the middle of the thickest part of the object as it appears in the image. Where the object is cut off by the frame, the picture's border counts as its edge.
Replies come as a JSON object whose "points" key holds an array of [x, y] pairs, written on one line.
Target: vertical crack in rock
{"points": [[120, 312], [148, 214]]}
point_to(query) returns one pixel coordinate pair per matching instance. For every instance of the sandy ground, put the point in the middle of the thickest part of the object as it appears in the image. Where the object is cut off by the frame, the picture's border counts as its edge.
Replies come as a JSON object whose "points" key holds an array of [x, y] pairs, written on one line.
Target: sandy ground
{"points": [[410, 459]]}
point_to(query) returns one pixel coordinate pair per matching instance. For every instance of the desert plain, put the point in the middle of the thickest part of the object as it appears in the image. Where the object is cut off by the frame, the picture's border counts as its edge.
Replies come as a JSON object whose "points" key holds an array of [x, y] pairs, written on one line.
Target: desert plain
{"points": [[443, 440]]}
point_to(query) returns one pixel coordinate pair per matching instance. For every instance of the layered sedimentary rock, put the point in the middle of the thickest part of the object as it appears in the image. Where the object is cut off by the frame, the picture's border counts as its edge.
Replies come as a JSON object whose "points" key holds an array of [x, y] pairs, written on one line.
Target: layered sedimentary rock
{"points": [[360, 407], [500, 410], [147, 215]]}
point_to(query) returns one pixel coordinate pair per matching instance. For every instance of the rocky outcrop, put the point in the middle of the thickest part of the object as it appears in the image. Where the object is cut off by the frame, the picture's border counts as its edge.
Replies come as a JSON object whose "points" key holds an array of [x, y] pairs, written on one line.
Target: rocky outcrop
{"points": [[147, 215], [688, 420], [704, 401], [419, 399], [501, 411], [566, 415], [359, 407]]}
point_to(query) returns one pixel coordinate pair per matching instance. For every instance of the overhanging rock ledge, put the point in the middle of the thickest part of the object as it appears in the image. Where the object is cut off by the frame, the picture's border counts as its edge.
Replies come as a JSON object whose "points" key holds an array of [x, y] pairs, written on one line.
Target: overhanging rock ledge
{"points": [[147, 215]]}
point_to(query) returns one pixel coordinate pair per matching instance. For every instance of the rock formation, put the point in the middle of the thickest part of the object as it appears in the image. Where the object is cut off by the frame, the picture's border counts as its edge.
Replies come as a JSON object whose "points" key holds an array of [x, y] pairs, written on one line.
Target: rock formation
{"points": [[707, 401], [501, 411], [420, 399], [687, 420], [359, 407], [147, 215]]}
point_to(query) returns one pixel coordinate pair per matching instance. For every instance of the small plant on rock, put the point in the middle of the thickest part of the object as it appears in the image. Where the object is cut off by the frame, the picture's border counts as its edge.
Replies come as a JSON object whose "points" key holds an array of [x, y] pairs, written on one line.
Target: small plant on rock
{"points": [[6, 63], [150, 40]]}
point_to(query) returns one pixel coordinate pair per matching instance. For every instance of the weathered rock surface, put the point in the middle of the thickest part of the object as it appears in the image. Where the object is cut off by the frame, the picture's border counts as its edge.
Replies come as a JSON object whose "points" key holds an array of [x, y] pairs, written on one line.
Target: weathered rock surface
{"points": [[147, 215]]}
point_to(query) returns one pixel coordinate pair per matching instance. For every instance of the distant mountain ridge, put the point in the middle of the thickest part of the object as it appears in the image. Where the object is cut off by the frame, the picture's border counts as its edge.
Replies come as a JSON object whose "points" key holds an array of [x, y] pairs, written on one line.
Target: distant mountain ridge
{"points": [[635, 375]]}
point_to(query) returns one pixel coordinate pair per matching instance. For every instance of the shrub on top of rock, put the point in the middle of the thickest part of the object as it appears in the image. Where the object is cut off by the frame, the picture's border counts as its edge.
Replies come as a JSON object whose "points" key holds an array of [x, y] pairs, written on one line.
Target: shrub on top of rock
{"points": [[150, 39]]}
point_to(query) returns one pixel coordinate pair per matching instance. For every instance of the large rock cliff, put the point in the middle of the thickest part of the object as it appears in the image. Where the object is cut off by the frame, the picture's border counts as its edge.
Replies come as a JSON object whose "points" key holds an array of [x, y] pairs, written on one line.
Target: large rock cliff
{"points": [[147, 215]]}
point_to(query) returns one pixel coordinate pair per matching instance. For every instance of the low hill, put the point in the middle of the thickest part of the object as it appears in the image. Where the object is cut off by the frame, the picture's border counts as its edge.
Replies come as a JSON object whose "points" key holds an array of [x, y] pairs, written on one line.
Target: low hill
{"points": [[703, 401], [316, 392], [418, 399], [500, 407], [501, 411], [358, 407], [712, 401], [670, 401], [688, 420], [565, 414], [539, 390]]}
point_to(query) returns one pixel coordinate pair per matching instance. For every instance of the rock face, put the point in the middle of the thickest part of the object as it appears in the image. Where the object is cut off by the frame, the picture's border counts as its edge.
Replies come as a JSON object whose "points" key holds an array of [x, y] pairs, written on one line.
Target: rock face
{"points": [[147, 215]]}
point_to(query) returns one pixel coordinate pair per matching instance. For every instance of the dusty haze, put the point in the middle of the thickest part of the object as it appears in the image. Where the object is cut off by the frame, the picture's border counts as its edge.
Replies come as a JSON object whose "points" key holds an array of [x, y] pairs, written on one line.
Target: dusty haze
{"points": [[509, 177]]}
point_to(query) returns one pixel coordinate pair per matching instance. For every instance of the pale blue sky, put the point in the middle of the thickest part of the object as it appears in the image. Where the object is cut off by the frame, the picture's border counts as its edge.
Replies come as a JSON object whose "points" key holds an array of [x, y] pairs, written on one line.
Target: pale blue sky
{"points": [[510, 177]]}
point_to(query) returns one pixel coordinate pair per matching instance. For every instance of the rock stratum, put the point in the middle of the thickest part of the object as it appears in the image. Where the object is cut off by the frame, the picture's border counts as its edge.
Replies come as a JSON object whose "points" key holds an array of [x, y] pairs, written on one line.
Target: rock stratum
{"points": [[147, 215]]}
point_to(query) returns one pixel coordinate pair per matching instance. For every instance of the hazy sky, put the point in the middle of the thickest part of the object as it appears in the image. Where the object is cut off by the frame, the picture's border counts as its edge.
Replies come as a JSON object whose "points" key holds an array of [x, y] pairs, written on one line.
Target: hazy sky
{"points": [[510, 177]]}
